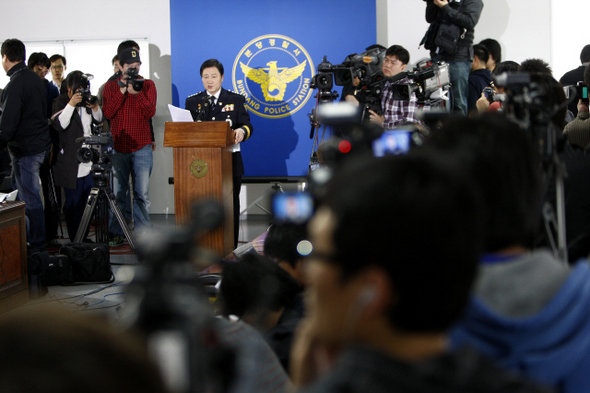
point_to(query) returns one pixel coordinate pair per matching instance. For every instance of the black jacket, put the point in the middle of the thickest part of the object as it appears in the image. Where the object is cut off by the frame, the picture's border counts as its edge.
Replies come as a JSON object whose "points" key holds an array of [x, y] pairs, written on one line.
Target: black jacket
{"points": [[65, 169], [363, 369], [230, 106], [464, 14], [23, 123]]}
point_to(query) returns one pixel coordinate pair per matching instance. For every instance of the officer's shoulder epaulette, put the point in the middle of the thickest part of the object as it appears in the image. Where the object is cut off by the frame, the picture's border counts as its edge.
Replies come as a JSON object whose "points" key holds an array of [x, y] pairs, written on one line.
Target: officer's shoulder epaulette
{"points": [[196, 94]]}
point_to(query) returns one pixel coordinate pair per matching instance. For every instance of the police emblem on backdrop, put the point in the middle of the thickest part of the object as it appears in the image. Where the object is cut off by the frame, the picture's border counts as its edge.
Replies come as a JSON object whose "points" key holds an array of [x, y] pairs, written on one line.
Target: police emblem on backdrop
{"points": [[273, 72]]}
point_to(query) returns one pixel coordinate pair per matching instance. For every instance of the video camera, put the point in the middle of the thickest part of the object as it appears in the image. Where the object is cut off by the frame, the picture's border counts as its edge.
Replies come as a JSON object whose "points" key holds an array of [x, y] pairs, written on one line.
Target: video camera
{"points": [[528, 102], [168, 303], [366, 66], [98, 151], [537, 103], [84, 89], [429, 81], [132, 79]]}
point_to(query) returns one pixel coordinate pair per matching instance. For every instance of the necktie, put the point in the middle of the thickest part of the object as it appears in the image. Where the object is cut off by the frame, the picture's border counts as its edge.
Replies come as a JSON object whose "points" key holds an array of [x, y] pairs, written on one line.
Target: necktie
{"points": [[209, 108]]}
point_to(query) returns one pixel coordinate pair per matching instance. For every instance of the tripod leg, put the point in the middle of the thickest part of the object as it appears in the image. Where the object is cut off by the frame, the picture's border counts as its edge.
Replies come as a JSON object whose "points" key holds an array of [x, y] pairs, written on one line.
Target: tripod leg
{"points": [[85, 221], [55, 208], [117, 212]]}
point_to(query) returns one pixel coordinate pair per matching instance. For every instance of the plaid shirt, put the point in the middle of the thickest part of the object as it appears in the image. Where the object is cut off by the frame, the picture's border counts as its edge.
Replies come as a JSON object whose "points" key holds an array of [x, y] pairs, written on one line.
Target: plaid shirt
{"points": [[396, 112], [129, 115]]}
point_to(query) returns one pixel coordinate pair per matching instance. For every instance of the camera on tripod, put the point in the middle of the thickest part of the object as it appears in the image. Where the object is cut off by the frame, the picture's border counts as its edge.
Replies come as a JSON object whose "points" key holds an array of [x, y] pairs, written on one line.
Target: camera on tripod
{"points": [[323, 80], [366, 66], [98, 149], [84, 89], [132, 79]]}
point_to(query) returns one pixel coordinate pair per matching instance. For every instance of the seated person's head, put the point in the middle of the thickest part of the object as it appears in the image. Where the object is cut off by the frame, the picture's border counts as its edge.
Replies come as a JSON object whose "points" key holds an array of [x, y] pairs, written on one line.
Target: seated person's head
{"points": [[395, 248], [54, 351], [256, 290], [505, 165], [508, 67], [395, 61], [280, 246], [495, 50], [535, 66], [480, 57]]}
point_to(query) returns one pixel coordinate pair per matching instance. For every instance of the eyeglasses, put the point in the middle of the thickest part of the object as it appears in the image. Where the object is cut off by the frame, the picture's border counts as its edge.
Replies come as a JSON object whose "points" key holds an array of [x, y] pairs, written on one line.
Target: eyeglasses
{"points": [[57, 67], [394, 62]]}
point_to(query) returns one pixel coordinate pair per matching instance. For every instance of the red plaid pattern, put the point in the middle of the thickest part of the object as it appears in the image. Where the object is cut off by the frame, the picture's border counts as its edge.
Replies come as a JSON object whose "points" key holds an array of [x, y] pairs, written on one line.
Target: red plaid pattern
{"points": [[129, 115]]}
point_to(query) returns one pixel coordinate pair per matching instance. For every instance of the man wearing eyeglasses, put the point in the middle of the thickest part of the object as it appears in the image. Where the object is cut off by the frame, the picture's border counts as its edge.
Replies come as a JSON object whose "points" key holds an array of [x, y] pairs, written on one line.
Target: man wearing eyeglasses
{"points": [[57, 68], [396, 111], [396, 108]]}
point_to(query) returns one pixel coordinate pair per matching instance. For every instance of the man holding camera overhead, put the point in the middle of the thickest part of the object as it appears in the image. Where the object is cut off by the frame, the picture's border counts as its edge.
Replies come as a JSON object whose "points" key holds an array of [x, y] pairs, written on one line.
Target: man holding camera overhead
{"points": [[129, 102], [450, 39]]}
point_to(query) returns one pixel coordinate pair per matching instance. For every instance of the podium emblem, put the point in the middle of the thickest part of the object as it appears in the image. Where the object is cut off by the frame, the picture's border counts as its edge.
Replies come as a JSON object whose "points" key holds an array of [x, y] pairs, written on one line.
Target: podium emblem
{"points": [[199, 168]]}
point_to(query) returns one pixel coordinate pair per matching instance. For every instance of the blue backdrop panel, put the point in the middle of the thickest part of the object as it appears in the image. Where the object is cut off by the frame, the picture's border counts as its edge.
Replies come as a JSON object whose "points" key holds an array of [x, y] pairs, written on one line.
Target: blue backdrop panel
{"points": [[270, 50]]}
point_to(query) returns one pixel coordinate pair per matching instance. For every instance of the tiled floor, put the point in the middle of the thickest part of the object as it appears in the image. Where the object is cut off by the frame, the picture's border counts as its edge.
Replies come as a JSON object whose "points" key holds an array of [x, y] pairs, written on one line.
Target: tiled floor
{"points": [[108, 298]]}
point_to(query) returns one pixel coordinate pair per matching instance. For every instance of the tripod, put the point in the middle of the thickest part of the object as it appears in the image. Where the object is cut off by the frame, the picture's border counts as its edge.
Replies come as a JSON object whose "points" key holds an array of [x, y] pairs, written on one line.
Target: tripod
{"points": [[97, 200]]}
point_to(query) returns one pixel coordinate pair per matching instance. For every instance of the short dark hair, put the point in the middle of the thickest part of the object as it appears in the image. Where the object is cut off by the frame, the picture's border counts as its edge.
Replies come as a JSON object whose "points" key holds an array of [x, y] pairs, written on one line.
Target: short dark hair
{"points": [[75, 79], [481, 52], [14, 50], [255, 284], [493, 48], [400, 52], [119, 359], [281, 242], [535, 66], [505, 166], [56, 57], [115, 58], [126, 45], [585, 54], [587, 76], [507, 66], [416, 217], [212, 63], [38, 58]]}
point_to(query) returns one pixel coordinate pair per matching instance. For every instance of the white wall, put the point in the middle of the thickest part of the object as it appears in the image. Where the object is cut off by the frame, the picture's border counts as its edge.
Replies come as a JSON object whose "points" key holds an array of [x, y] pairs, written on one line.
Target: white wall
{"points": [[35, 20], [525, 28], [545, 29]]}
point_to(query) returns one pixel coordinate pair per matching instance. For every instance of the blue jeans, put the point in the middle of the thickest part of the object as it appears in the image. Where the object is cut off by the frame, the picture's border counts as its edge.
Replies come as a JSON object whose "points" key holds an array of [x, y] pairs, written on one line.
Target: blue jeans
{"points": [[459, 76], [25, 178], [138, 164]]}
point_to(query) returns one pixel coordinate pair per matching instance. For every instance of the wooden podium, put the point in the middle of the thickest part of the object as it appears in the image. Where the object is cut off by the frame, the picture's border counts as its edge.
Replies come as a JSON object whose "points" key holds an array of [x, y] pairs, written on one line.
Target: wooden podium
{"points": [[14, 283], [203, 170]]}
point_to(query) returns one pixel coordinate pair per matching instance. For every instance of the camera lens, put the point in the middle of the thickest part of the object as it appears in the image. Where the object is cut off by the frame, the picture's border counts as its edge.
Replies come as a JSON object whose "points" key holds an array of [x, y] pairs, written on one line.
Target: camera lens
{"points": [[324, 81], [84, 155]]}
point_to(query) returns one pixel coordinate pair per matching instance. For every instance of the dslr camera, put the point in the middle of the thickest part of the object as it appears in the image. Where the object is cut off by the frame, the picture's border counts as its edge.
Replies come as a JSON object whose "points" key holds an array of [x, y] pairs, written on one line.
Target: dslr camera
{"points": [[132, 78], [488, 93], [84, 89]]}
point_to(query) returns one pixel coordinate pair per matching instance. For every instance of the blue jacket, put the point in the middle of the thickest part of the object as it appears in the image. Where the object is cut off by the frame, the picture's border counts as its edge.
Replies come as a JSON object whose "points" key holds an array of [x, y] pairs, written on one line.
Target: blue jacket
{"points": [[551, 347]]}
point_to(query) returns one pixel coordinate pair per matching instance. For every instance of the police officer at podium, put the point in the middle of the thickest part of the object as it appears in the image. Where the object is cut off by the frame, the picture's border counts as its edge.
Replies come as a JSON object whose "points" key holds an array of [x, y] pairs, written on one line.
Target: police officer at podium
{"points": [[219, 104]]}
